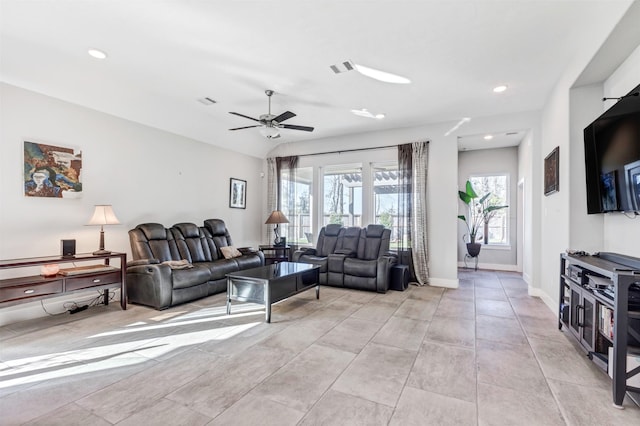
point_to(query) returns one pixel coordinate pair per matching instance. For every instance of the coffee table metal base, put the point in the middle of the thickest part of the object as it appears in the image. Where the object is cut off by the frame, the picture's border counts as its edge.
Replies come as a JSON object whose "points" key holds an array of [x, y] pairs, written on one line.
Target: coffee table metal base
{"points": [[263, 286]]}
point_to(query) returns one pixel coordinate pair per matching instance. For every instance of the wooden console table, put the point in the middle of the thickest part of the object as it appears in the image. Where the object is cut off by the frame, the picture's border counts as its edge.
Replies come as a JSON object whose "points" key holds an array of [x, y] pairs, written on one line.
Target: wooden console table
{"points": [[35, 287]]}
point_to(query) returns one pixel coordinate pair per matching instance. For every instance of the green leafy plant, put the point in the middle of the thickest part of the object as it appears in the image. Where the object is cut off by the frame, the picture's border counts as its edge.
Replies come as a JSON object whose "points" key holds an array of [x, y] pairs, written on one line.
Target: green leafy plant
{"points": [[480, 210]]}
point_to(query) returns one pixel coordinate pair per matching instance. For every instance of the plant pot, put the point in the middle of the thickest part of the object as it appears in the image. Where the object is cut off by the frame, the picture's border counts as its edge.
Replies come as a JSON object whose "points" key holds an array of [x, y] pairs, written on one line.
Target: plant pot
{"points": [[473, 249]]}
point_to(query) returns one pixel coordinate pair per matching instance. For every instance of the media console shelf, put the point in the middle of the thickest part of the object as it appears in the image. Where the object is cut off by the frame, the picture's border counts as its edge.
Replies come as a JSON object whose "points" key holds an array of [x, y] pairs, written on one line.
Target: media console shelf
{"points": [[71, 279], [595, 307]]}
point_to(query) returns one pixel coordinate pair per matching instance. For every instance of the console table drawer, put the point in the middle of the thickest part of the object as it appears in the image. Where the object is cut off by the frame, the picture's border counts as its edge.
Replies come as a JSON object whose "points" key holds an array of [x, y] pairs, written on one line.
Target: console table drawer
{"points": [[23, 291], [75, 283]]}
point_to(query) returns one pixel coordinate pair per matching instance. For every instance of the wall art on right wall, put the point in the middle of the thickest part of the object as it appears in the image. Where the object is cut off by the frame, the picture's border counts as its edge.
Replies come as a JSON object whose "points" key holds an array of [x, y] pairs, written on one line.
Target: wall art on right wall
{"points": [[552, 172]]}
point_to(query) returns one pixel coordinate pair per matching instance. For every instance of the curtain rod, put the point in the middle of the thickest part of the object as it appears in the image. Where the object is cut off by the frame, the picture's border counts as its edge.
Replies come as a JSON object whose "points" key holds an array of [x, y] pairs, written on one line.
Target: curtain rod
{"points": [[349, 150]]}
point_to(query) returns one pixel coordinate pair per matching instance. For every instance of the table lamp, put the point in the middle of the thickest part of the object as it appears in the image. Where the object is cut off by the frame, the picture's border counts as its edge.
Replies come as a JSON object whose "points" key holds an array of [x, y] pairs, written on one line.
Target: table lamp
{"points": [[103, 215], [276, 217]]}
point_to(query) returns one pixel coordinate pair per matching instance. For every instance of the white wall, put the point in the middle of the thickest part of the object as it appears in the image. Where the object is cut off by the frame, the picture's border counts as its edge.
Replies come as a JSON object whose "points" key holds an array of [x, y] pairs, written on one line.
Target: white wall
{"points": [[586, 231], [556, 211], [621, 234], [147, 175], [525, 173], [485, 162]]}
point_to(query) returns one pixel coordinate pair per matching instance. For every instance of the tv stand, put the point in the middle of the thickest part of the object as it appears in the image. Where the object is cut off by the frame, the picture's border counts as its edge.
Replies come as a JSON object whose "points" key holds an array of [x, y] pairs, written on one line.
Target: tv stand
{"points": [[595, 309]]}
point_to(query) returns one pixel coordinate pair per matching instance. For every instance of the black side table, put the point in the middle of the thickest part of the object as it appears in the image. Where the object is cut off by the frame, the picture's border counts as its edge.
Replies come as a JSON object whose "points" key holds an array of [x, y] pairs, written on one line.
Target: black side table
{"points": [[399, 277], [275, 254]]}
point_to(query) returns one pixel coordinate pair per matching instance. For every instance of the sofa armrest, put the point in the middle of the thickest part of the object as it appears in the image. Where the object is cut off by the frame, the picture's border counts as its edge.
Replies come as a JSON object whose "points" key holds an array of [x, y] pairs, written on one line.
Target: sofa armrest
{"points": [[302, 252], [335, 263], [383, 273], [247, 250], [142, 262], [150, 284]]}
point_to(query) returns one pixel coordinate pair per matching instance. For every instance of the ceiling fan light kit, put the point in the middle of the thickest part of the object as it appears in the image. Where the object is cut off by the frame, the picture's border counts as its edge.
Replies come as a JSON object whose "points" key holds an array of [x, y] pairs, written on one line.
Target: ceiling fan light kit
{"points": [[270, 125]]}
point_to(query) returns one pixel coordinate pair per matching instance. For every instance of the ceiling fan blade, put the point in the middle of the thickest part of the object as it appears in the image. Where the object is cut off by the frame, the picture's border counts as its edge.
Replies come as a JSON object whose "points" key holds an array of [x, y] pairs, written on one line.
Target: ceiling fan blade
{"points": [[294, 127], [245, 127], [284, 116], [245, 116]]}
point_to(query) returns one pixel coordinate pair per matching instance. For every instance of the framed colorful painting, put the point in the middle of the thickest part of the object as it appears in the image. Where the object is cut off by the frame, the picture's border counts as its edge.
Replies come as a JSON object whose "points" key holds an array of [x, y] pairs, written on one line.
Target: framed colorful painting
{"points": [[52, 171]]}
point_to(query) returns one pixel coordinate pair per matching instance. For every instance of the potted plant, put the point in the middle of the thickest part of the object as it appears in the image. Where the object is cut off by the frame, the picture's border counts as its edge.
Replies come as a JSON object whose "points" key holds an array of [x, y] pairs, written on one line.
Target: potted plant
{"points": [[480, 210]]}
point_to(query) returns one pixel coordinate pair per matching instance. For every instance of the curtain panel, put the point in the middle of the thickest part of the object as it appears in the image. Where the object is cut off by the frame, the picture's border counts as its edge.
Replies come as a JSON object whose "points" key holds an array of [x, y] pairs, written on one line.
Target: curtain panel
{"points": [[285, 197], [405, 198], [419, 238], [412, 213], [272, 194]]}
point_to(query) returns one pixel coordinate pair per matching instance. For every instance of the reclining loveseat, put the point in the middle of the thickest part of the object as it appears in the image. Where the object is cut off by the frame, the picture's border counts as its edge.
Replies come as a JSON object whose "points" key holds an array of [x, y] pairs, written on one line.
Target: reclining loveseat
{"points": [[183, 263], [357, 258]]}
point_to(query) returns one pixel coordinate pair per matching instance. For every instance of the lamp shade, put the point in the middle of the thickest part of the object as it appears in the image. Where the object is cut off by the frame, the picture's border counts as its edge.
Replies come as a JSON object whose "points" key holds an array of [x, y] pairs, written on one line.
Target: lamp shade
{"points": [[275, 217], [103, 215]]}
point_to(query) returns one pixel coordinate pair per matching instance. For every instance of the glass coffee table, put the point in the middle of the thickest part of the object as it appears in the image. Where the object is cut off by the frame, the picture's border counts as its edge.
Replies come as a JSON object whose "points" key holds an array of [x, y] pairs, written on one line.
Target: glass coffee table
{"points": [[269, 284]]}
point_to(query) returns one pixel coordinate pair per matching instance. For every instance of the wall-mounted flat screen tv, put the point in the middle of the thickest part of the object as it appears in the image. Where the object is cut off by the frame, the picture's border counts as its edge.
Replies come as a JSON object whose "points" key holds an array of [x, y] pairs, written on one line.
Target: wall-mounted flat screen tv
{"points": [[612, 157]]}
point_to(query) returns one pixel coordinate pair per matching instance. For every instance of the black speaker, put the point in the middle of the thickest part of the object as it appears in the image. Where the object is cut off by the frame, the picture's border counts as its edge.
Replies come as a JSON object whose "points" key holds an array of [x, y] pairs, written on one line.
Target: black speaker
{"points": [[67, 248], [399, 278]]}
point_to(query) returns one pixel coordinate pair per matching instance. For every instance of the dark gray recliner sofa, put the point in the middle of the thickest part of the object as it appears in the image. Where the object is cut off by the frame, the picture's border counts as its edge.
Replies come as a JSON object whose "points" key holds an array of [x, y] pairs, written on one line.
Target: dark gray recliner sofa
{"points": [[327, 243], [359, 259], [151, 281]]}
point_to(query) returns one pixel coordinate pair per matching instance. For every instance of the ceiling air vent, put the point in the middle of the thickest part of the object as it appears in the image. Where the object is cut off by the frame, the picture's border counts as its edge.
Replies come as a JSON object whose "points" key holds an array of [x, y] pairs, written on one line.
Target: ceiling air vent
{"points": [[206, 101], [343, 67]]}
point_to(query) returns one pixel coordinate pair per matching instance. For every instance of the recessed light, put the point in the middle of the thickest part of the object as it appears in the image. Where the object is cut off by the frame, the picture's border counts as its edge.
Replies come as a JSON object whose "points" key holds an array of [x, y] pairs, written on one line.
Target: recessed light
{"points": [[488, 137], [98, 54], [380, 116], [500, 89]]}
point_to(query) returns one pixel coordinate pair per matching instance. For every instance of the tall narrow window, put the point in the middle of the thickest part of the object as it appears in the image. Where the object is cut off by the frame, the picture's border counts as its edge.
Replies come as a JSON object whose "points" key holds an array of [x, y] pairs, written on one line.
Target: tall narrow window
{"points": [[496, 231], [385, 198], [295, 203], [343, 195]]}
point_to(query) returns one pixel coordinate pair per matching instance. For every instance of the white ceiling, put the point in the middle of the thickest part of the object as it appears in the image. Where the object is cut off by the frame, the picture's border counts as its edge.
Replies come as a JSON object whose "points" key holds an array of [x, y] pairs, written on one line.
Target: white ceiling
{"points": [[164, 55]]}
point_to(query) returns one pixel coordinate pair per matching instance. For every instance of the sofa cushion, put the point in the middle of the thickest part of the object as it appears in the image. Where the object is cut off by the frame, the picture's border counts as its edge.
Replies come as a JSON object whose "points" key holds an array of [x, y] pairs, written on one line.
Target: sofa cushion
{"points": [[216, 227], [360, 268], [188, 230], [220, 268], [153, 231], [248, 261], [183, 278]]}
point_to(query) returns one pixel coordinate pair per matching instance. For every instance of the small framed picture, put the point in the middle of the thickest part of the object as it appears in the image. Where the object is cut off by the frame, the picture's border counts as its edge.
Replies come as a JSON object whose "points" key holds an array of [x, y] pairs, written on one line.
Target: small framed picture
{"points": [[632, 178], [237, 193], [552, 172]]}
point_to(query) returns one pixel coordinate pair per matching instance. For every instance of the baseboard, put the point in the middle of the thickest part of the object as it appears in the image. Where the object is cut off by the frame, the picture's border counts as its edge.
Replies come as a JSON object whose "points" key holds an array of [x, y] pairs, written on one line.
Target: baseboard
{"points": [[526, 278], [490, 266], [443, 282], [536, 292]]}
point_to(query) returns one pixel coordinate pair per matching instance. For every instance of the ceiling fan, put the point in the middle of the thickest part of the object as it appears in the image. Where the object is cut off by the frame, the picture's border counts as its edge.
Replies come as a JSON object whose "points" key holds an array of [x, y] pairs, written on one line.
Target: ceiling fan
{"points": [[270, 124]]}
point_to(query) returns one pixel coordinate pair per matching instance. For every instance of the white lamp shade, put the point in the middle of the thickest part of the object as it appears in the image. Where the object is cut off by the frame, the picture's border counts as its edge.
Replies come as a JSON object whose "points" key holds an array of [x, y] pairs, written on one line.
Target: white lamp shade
{"points": [[103, 215]]}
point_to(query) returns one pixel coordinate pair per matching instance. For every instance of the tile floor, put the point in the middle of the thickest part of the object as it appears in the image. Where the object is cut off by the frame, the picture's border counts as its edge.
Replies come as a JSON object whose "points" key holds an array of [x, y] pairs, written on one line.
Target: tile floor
{"points": [[485, 353]]}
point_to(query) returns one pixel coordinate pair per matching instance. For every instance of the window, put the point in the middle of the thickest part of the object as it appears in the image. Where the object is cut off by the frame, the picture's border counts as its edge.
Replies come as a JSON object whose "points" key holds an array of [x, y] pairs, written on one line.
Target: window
{"points": [[385, 198], [497, 230], [343, 195], [295, 203]]}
